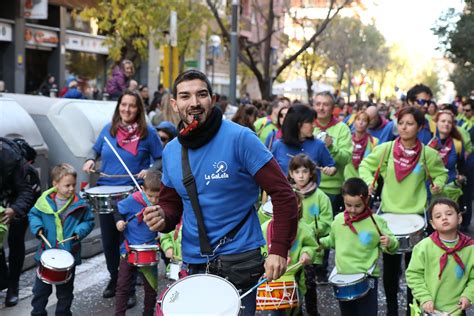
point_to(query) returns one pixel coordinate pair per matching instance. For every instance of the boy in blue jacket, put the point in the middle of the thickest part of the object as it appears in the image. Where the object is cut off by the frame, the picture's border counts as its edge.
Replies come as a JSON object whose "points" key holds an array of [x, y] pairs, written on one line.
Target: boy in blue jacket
{"points": [[59, 214], [136, 232]]}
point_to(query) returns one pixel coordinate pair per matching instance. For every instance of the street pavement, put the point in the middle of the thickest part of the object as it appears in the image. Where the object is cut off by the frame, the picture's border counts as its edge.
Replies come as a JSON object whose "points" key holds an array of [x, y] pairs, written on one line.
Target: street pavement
{"points": [[92, 277]]}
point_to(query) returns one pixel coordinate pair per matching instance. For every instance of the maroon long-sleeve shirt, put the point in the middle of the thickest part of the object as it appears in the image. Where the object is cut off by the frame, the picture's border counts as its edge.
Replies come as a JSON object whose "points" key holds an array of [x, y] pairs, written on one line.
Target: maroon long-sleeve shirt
{"points": [[285, 210]]}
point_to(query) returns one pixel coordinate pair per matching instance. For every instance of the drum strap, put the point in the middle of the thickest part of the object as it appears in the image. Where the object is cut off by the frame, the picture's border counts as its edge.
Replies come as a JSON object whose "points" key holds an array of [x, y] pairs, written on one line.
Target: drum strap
{"points": [[190, 185]]}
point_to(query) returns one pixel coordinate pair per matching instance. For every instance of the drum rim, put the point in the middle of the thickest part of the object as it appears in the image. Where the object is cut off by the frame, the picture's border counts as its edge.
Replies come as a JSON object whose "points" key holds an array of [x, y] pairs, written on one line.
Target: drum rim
{"points": [[365, 277], [162, 299], [38, 274], [139, 249], [110, 186]]}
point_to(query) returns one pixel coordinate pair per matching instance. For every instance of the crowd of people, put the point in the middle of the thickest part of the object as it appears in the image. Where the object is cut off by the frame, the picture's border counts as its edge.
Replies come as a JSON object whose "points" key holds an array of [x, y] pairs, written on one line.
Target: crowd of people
{"points": [[267, 189]]}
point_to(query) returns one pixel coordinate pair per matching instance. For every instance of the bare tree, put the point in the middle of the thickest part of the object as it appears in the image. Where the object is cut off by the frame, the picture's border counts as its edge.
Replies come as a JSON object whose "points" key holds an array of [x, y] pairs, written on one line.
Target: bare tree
{"points": [[257, 56]]}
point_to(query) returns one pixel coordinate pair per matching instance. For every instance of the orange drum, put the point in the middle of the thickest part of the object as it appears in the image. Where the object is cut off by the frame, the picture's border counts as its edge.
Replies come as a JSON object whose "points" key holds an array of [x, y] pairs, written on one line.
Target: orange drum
{"points": [[277, 295]]}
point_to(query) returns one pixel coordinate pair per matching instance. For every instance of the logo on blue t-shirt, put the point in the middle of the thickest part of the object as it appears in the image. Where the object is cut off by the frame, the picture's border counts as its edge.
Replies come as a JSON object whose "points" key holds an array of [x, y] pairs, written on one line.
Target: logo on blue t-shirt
{"points": [[219, 173]]}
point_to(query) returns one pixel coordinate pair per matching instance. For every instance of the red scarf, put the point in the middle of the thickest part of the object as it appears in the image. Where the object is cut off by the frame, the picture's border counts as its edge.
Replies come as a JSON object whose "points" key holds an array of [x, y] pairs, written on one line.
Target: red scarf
{"points": [[128, 137], [348, 220], [331, 123], [137, 196], [359, 148], [383, 123], [463, 241], [405, 160], [443, 150]]}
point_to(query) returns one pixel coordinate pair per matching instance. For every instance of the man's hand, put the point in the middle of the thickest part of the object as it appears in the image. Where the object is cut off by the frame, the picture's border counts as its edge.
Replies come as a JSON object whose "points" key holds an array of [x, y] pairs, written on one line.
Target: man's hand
{"points": [[155, 218], [142, 174], [88, 166], [8, 215], [275, 266], [428, 307]]}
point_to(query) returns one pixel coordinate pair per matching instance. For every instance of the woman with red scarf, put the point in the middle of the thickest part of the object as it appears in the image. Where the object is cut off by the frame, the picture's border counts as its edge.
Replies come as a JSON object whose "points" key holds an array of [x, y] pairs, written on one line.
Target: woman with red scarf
{"points": [[362, 143], [138, 145], [448, 143], [405, 164]]}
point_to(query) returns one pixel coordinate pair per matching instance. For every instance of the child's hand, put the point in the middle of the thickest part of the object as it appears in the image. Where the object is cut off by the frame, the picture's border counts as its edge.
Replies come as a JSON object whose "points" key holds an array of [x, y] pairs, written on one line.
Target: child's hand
{"points": [[428, 307], [169, 253], [435, 189], [384, 241], [371, 190], [464, 303], [305, 259], [142, 174], [121, 225]]}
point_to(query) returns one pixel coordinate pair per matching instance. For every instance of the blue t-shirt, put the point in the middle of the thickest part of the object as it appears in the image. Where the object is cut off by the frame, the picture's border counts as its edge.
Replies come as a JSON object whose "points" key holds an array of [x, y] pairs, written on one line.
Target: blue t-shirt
{"points": [[314, 148], [149, 149], [136, 232], [224, 172], [425, 135], [384, 134]]}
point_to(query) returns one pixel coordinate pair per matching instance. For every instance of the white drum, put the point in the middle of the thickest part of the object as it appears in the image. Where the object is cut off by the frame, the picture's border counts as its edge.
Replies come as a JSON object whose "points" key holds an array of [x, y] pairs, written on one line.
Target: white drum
{"points": [[201, 294], [407, 228], [267, 208], [104, 199]]}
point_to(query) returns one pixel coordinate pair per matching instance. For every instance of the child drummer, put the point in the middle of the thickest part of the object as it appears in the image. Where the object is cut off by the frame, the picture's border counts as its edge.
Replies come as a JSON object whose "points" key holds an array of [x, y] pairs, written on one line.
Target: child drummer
{"points": [[136, 232], [358, 236], [441, 270], [63, 219]]}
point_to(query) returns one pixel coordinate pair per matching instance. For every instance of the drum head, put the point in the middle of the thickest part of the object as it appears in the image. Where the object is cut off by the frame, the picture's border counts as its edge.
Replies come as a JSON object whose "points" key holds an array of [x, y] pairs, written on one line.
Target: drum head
{"points": [[57, 259], [342, 279], [201, 294], [267, 208], [404, 224], [107, 189]]}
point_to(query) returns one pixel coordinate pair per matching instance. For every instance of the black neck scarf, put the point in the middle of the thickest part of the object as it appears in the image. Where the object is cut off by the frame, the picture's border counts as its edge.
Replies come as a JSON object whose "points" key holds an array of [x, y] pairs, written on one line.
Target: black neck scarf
{"points": [[203, 133]]}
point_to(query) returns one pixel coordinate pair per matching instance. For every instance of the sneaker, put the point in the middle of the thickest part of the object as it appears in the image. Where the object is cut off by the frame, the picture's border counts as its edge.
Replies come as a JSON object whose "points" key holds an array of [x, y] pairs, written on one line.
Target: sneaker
{"points": [[110, 289]]}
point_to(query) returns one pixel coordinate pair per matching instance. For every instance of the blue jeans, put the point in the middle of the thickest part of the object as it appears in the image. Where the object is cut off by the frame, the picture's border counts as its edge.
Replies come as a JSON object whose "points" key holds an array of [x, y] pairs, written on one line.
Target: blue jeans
{"points": [[64, 294], [249, 302]]}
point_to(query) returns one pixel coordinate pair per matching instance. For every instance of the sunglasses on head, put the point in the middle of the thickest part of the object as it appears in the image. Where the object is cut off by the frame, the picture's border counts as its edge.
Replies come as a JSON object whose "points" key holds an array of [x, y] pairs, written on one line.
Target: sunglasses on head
{"points": [[423, 102]]}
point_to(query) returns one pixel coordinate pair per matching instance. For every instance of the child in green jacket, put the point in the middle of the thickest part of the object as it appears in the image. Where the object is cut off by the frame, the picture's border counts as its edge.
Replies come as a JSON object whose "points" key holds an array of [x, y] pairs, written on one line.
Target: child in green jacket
{"points": [[359, 237], [441, 273]]}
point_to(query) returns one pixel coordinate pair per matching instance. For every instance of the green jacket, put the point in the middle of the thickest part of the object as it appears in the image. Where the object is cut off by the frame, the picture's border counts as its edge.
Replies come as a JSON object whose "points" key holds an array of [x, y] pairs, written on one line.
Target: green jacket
{"points": [[408, 196], [358, 253], [263, 127], [304, 243], [422, 276], [341, 152], [169, 241], [317, 213]]}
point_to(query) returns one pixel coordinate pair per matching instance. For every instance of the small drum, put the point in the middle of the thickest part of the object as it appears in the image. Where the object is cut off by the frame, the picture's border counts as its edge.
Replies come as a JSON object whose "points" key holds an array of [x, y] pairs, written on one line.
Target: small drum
{"points": [[348, 287], [277, 295], [267, 208], [143, 255], [201, 294], [55, 266], [174, 269], [407, 228], [104, 199]]}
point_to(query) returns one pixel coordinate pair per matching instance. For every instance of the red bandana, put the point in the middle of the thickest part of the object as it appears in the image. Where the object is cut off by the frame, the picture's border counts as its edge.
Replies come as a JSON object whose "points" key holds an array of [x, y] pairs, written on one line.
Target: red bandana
{"points": [[128, 137], [463, 241], [443, 149], [359, 148], [137, 196], [331, 123], [348, 220], [405, 160]]}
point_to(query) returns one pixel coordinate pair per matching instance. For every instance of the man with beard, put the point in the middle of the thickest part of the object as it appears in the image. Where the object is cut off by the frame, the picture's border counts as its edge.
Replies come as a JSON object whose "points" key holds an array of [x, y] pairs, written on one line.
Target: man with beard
{"points": [[379, 126], [223, 165]]}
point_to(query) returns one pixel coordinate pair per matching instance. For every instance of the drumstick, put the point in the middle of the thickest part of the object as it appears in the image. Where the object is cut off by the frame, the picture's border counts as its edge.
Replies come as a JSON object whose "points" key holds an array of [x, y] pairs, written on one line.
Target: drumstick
{"points": [[128, 171], [430, 180], [67, 239], [265, 280], [106, 175], [377, 172], [454, 310], [371, 216], [44, 239]]}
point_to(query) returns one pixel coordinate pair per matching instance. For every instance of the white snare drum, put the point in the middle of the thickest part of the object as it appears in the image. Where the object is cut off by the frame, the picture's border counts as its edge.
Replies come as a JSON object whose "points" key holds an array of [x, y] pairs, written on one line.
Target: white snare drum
{"points": [[407, 228], [267, 208], [55, 266], [348, 287], [173, 272], [201, 294], [104, 199], [322, 136]]}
